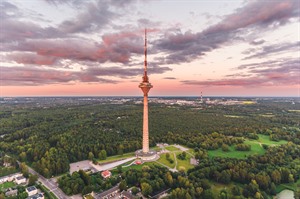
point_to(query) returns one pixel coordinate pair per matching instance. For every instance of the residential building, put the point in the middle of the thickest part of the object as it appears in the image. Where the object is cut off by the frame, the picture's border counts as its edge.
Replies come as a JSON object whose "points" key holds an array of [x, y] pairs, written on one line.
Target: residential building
{"points": [[11, 192], [106, 194], [36, 196], [20, 180], [127, 195], [31, 190], [106, 174]]}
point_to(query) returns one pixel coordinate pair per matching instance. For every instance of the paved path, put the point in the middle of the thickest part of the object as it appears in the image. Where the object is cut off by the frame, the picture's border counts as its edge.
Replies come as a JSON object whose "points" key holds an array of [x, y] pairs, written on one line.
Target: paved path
{"points": [[111, 165], [180, 147]]}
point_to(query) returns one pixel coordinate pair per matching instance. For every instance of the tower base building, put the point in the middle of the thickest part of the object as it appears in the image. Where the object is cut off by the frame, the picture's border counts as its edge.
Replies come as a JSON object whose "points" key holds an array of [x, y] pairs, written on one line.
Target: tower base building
{"points": [[146, 157]]}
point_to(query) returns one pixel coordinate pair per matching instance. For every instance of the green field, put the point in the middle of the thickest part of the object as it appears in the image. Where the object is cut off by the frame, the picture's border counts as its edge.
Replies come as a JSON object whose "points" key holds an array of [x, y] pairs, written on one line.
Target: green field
{"points": [[7, 185], [185, 163], [134, 166], [125, 155], [290, 186], [297, 111], [156, 148], [117, 157], [164, 160], [256, 148], [233, 116], [217, 187], [172, 148], [265, 139]]}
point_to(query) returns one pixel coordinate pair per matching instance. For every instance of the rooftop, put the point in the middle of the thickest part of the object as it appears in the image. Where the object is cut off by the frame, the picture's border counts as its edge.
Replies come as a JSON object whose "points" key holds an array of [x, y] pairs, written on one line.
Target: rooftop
{"points": [[30, 189], [105, 193], [36, 196], [20, 177]]}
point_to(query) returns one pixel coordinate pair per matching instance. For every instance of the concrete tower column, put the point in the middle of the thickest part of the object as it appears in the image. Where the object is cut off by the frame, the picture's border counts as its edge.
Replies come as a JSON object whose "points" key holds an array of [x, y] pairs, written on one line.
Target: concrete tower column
{"points": [[145, 126]]}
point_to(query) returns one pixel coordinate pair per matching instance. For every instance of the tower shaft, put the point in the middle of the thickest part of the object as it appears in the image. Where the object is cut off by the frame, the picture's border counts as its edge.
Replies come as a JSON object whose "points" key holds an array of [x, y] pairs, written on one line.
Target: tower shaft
{"points": [[145, 86], [145, 126]]}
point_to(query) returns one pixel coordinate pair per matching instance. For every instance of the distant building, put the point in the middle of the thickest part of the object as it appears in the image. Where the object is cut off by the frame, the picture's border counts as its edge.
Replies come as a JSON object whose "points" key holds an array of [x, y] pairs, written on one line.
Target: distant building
{"points": [[6, 164], [20, 180], [106, 174], [127, 195], [106, 194], [3, 179], [9, 178], [31, 190], [36, 196], [11, 192]]}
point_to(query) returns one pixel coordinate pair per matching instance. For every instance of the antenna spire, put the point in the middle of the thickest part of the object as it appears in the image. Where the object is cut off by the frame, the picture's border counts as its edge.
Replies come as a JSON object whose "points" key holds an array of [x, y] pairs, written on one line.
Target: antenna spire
{"points": [[145, 77]]}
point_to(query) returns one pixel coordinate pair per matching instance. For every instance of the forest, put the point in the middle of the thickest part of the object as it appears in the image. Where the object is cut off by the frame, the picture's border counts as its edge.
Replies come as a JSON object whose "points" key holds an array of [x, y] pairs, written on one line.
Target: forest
{"points": [[49, 138]]}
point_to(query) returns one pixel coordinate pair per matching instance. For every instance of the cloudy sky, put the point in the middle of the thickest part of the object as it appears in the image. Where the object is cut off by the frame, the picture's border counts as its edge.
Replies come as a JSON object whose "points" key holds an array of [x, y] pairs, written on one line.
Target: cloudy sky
{"points": [[95, 47]]}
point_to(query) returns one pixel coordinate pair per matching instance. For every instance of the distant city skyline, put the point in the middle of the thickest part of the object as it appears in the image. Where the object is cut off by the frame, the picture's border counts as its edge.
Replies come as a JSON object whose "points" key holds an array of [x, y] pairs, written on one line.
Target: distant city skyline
{"points": [[95, 47]]}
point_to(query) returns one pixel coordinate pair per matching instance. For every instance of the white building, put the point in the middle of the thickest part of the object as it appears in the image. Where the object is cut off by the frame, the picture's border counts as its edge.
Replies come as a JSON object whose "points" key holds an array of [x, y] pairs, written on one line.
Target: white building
{"points": [[31, 190], [20, 180], [9, 178], [36, 196]]}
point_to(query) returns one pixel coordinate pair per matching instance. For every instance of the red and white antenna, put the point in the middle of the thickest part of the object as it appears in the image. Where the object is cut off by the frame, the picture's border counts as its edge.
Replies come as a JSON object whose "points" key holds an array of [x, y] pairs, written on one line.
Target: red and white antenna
{"points": [[145, 77]]}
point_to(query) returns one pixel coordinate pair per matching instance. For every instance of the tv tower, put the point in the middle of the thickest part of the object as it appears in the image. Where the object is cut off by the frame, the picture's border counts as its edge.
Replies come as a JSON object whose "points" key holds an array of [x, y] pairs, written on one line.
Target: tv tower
{"points": [[145, 85]]}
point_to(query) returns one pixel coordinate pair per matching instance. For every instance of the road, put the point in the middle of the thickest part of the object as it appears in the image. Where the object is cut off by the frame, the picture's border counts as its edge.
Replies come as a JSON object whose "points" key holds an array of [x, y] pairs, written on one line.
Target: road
{"points": [[50, 184], [112, 165]]}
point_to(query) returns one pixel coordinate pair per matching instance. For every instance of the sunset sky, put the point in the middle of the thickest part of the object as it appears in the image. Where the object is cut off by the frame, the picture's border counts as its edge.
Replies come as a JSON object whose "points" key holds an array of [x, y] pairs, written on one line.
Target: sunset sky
{"points": [[95, 47]]}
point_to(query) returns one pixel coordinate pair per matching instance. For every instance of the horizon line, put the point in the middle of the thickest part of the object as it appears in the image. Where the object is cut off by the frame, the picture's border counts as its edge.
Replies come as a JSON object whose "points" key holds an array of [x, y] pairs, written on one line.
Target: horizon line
{"points": [[253, 96]]}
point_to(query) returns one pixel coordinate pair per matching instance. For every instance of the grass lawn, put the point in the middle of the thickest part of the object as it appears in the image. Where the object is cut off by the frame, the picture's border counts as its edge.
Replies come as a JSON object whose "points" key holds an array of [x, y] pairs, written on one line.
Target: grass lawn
{"points": [[164, 160], [217, 187], [265, 139], [295, 111], [134, 166], [156, 148], [290, 186], [256, 148], [7, 185], [233, 116], [117, 157], [185, 163], [191, 151], [172, 148]]}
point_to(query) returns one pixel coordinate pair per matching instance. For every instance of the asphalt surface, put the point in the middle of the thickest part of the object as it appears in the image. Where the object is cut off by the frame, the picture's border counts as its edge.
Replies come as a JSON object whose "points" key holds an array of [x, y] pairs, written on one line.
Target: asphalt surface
{"points": [[50, 184]]}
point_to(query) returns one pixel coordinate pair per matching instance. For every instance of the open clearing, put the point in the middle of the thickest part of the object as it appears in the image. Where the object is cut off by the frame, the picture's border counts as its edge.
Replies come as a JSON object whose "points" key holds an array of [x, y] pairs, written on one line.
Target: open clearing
{"points": [[116, 157], [172, 148], [184, 163], [163, 160], [256, 148]]}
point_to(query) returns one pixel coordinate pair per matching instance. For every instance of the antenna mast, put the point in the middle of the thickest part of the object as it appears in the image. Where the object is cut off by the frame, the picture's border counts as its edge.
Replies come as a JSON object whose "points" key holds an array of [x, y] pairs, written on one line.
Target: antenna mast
{"points": [[145, 77]]}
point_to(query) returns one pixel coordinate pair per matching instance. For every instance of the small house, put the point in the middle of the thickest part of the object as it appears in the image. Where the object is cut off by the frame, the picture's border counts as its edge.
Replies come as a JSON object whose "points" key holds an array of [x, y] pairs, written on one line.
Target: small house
{"points": [[106, 174], [31, 190], [20, 180]]}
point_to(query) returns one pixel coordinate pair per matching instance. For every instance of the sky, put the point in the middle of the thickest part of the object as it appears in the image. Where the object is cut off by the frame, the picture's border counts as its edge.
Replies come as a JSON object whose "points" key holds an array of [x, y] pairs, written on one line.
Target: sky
{"points": [[96, 47]]}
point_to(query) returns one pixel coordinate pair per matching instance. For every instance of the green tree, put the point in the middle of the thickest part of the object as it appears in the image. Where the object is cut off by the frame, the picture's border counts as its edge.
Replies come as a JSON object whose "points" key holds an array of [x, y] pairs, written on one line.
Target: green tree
{"points": [[32, 179], [134, 190], [225, 147], [146, 189], [24, 169], [123, 185], [119, 169], [23, 156], [91, 156], [102, 155]]}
